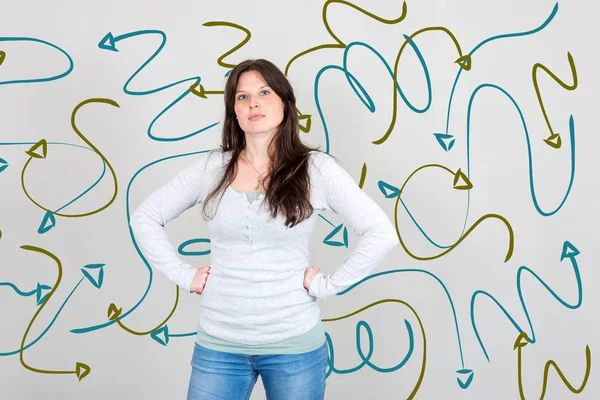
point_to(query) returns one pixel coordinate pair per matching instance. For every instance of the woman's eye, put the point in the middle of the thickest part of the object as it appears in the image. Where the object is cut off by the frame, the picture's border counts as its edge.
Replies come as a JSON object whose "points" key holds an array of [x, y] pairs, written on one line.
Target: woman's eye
{"points": [[241, 97], [264, 92]]}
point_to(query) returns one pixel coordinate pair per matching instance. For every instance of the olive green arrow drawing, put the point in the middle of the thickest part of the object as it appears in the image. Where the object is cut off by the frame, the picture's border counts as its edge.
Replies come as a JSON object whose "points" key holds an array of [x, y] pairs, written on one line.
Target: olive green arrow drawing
{"points": [[554, 139], [2, 56], [233, 50], [197, 88], [463, 60], [114, 313], [337, 45], [81, 370], [34, 152], [522, 341], [413, 393], [461, 182]]}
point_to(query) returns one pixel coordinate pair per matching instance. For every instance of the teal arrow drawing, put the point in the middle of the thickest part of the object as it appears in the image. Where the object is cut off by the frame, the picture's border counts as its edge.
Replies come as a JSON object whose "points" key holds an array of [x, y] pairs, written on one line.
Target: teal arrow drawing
{"points": [[465, 377], [48, 222], [389, 191], [94, 273], [41, 296], [343, 242], [161, 335], [445, 140]]}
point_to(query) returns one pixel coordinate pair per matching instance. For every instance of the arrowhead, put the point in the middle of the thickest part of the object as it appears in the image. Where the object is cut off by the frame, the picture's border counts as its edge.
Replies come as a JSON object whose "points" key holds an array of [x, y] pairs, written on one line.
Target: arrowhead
{"points": [[464, 62], [108, 42], [40, 293], [522, 341], [568, 250], [308, 121], [337, 229], [445, 140], [94, 273], [227, 73], [388, 190], [198, 90], [161, 335], [3, 164], [82, 370], [554, 140], [465, 377], [48, 222], [34, 152], [2, 56], [461, 182], [113, 312]]}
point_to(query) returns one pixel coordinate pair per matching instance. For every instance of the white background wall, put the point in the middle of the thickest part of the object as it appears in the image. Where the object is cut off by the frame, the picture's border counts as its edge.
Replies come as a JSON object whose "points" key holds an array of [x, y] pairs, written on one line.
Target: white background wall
{"points": [[125, 366]]}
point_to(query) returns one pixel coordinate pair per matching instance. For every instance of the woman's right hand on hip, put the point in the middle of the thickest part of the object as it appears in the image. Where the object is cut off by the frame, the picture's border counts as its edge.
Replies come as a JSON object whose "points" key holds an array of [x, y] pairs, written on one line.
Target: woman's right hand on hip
{"points": [[199, 280]]}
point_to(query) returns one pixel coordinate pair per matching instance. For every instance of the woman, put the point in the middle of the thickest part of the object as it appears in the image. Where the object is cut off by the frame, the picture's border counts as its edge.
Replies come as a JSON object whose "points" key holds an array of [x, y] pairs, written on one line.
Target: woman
{"points": [[261, 193]]}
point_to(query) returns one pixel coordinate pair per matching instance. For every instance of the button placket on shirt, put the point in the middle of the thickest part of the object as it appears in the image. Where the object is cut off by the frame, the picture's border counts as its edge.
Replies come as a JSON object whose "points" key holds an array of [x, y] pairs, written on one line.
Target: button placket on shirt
{"points": [[251, 206], [248, 223]]}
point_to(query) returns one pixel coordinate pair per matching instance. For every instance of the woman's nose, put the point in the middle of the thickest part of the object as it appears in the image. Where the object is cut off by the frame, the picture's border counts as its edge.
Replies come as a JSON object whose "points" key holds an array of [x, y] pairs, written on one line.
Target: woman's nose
{"points": [[254, 102]]}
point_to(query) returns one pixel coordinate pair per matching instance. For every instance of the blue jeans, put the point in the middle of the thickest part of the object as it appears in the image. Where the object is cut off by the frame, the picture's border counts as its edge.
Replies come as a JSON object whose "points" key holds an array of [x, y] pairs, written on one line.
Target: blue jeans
{"points": [[230, 376]]}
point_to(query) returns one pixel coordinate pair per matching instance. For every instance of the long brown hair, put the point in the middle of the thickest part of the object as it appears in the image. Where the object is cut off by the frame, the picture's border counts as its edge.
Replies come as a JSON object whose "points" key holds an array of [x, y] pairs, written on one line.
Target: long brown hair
{"points": [[288, 190]]}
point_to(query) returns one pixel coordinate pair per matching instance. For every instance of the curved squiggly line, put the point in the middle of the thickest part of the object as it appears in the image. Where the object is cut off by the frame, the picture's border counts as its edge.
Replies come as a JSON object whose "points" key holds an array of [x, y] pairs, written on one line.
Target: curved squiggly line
{"points": [[81, 370], [366, 359], [354, 83], [17, 290], [463, 237], [114, 313], [425, 235], [181, 249], [529, 154], [74, 145], [551, 363], [497, 37], [316, 94], [78, 132], [196, 80], [460, 70], [52, 78], [438, 280], [331, 359], [233, 50], [50, 324], [339, 44], [539, 96], [530, 162], [198, 89], [520, 271], [389, 69], [464, 61], [150, 271]]}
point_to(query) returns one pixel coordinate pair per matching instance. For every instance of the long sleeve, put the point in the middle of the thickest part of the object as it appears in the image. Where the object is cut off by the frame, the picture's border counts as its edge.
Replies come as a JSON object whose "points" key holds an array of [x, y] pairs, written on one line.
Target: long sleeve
{"points": [[187, 189], [365, 217]]}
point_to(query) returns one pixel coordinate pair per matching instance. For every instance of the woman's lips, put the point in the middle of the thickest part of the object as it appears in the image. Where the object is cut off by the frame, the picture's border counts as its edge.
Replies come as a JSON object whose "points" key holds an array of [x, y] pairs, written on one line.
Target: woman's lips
{"points": [[256, 117]]}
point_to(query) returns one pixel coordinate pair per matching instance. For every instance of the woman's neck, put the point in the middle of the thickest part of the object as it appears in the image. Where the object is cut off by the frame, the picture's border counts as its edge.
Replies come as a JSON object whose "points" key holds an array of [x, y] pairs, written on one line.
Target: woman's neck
{"points": [[256, 151]]}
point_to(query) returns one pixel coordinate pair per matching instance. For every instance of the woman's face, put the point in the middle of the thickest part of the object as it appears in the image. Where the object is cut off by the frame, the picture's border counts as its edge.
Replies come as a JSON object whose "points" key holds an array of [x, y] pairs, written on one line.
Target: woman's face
{"points": [[259, 110]]}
